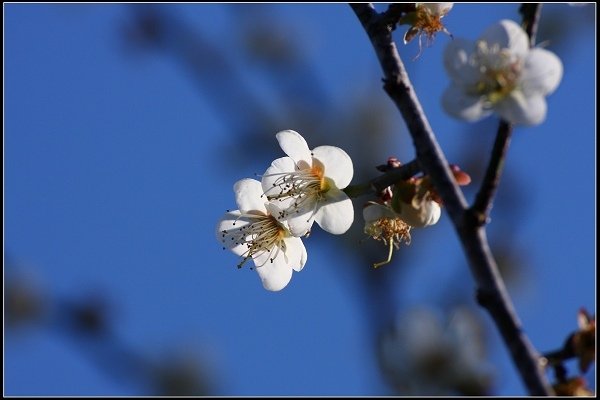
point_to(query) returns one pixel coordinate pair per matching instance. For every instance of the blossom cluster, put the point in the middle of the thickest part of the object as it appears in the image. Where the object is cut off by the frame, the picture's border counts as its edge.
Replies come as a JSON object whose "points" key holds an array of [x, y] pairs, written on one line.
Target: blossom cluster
{"points": [[497, 73], [408, 204], [274, 214]]}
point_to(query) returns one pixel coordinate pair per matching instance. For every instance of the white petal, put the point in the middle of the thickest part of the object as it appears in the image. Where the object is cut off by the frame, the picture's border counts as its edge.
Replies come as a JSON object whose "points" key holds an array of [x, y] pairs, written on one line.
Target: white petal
{"points": [[274, 274], [457, 56], [228, 231], [336, 214], [275, 172], [300, 219], [522, 110], [374, 211], [337, 163], [249, 196], [508, 34], [295, 253], [440, 9], [428, 214], [434, 211], [294, 145], [461, 105], [277, 208], [303, 258], [542, 72]]}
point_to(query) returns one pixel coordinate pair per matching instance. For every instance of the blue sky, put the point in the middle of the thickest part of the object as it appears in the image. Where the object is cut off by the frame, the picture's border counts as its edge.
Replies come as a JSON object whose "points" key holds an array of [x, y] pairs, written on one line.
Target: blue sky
{"points": [[119, 161]]}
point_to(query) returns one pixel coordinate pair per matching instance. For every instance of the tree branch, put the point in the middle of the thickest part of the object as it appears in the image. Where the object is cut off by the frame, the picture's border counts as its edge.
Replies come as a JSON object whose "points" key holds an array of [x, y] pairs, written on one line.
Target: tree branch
{"points": [[531, 17], [491, 291], [394, 175], [391, 176], [489, 186]]}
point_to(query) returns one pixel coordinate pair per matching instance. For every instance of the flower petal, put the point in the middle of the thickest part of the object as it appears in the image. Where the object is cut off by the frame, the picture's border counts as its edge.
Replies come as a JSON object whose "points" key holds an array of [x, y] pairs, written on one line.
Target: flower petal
{"points": [[295, 252], [336, 213], [508, 34], [542, 72], [434, 211], [274, 174], [300, 218], [522, 110], [375, 211], [337, 163], [427, 214], [437, 9], [249, 195], [461, 105], [294, 145], [277, 208], [457, 56], [228, 232], [274, 273]]}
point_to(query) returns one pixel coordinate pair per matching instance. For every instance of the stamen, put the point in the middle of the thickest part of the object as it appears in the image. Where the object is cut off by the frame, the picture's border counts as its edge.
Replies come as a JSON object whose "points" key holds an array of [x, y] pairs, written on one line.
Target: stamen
{"points": [[499, 69], [391, 231], [261, 233], [304, 186]]}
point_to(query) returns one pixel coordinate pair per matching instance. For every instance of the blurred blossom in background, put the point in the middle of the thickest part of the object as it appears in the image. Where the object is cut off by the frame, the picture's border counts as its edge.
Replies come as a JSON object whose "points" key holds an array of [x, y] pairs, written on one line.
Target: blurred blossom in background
{"points": [[126, 127]]}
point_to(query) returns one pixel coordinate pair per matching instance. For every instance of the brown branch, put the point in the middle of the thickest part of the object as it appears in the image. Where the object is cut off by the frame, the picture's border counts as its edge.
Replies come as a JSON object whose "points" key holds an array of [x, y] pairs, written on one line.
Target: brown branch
{"points": [[489, 186], [531, 17], [491, 291], [398, 87], [394, 175], [390, 177]]}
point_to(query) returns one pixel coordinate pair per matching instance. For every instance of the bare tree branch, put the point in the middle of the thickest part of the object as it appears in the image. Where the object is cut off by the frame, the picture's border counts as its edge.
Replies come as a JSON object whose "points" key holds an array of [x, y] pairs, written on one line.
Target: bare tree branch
{"points": [[491, 291], [489, 186], [394, 175], [531, 17]]}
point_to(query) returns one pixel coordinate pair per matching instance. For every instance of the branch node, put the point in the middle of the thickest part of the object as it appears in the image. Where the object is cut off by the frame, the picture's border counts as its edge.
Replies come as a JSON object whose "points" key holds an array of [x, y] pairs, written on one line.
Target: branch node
{"points": [[486, 298], [475, 218]]}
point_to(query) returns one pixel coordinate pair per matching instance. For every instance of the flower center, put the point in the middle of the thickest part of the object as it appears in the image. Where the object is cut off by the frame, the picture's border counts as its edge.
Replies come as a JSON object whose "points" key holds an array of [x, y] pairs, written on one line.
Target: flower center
{"points": [[427, 22], [389, 230], [263, 233], [499, 72], [304, 185]]}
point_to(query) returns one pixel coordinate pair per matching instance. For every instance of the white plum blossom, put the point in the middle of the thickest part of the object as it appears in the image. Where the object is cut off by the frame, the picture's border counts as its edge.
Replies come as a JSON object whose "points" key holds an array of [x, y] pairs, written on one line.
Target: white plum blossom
{"points": [[426, 20], [500, 73], [254, 233], [307, 183]]}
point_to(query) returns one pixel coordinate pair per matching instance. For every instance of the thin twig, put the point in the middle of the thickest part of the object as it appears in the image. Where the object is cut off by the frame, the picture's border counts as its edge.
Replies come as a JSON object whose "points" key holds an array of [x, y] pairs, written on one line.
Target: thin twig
{"points": [[531, 16], [391, 176], [395, 175], [491, 290], [489, 186]]}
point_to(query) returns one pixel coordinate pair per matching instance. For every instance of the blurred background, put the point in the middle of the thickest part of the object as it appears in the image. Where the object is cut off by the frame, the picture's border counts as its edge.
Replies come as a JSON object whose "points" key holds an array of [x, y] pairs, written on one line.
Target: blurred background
{"points": [[125, 129]]}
